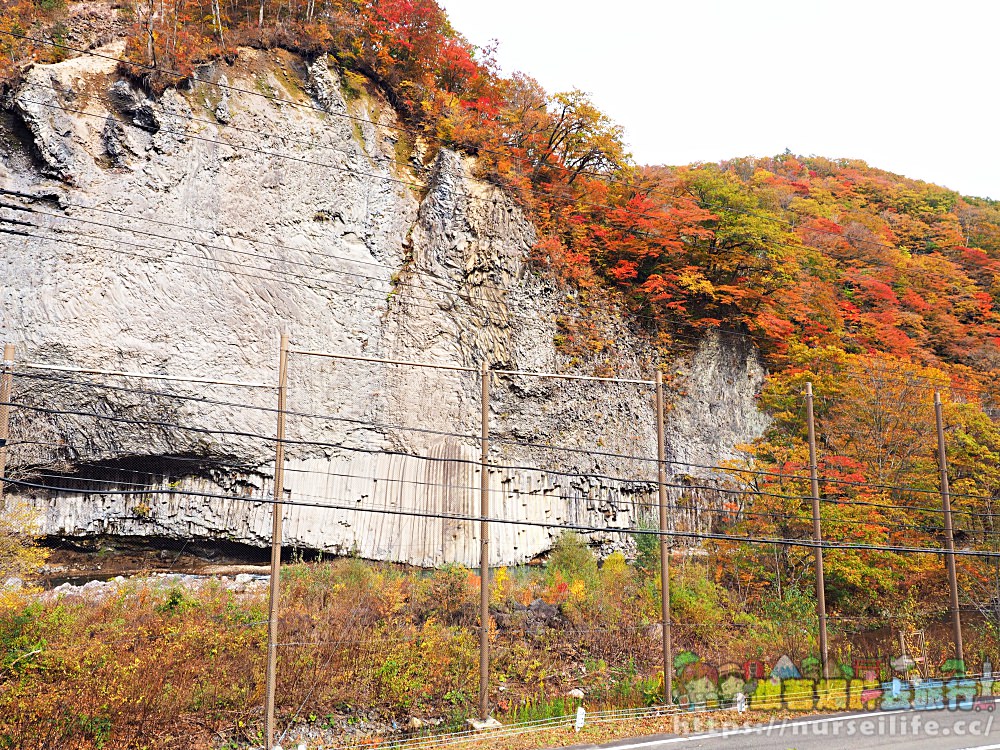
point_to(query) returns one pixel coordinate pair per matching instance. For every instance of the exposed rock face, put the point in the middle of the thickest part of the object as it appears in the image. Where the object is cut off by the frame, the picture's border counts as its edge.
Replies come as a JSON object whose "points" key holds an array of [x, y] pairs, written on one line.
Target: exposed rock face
{"points": [[222, 113], [325, 89], [39, 106], [133, 105], [214, 232]]}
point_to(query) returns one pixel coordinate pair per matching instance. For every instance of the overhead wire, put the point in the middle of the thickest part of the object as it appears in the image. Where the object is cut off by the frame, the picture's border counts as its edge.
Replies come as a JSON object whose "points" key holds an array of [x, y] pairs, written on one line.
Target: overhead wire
{"points": [[382, 451], [340, 286], [175, 239], [742, 334], [908, 379], [607, 178], [393, 283], [736, 514], [570, 526], [30, 225], [236, 237], [360, 291], [529, 444]]}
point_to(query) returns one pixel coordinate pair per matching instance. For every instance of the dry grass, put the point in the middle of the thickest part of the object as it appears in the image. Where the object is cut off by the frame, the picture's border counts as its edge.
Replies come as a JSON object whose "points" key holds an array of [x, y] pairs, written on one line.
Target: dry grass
{"points": [[363, 648]]}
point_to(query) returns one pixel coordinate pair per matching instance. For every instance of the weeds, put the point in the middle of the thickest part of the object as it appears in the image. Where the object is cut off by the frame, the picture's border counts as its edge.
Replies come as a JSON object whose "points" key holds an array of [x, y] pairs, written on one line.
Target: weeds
{"points": [[368, 643]]}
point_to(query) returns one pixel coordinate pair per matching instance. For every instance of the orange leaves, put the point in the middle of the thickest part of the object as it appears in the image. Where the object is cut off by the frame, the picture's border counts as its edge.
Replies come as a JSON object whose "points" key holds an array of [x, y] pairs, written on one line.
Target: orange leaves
{"points": [[571, 265], [773, 328], [624, 270]]}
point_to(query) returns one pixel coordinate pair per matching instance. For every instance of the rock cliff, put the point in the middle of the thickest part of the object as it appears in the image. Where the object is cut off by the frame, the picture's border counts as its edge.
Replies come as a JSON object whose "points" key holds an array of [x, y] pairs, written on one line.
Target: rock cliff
{"points": [[178, 236]]}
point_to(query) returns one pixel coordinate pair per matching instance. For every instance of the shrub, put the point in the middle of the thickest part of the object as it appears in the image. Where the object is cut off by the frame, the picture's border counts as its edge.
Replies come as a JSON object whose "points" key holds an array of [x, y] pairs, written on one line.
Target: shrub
{"points": [[572, 559]]}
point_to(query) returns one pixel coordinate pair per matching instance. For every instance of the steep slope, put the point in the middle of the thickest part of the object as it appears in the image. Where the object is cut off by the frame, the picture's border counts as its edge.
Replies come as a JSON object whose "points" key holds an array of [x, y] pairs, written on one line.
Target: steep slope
{"points": [[179, 235]]}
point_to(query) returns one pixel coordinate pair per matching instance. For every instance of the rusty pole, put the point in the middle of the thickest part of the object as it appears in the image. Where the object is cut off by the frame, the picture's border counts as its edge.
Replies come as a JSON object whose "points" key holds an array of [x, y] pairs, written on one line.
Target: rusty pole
{"points": [[817, 534], [6, 388], [949, 531], [484, 551], [661, 481], [277, 509]]}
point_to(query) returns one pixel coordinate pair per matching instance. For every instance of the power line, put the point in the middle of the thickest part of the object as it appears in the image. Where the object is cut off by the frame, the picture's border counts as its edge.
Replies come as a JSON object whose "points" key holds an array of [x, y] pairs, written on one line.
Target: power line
{"points": [[631, 502], [252, 242], [456, 295], [140, 375], [544, 446], [753, 493], [316, 443], [360, 290], [318, 279], [356, 291], [361, 174], [294, 158], [835, 366], [907, 379], [318, 282], [541, 524], [569, 201], [738, 515]]}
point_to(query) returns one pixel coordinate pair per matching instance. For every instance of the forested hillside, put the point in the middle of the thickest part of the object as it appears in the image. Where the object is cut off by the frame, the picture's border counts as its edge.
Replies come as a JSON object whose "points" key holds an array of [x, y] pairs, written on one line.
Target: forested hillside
{"points": [[876, 287]]}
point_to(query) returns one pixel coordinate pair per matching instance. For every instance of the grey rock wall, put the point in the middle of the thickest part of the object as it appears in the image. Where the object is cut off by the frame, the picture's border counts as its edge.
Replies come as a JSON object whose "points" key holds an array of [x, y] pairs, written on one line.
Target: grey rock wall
{"points": [[182, 235]]}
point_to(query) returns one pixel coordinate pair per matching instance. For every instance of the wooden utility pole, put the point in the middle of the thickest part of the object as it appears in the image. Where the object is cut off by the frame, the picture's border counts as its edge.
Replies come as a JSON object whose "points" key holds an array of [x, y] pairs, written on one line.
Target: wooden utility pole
{"points": [[949, 531], [661, 481], [817, 534], [484, 550], [277, 510], [6, 388]]}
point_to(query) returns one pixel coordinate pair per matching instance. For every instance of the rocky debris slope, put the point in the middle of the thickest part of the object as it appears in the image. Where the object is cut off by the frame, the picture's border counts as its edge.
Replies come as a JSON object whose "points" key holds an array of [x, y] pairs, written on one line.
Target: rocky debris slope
{"points": [[179, 236]]}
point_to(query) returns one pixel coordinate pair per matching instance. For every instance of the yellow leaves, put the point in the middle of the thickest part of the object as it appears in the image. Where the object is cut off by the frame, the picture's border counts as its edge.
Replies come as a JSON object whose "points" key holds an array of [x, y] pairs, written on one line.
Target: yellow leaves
{"points": [[761, 177], [500, 586], [577, 591], [19, 556], [614, 565], [694, 281]]}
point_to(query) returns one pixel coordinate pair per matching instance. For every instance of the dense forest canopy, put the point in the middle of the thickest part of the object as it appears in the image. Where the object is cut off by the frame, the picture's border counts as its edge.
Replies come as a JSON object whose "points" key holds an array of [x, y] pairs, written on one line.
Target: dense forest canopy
{"points": [[876, 287]]}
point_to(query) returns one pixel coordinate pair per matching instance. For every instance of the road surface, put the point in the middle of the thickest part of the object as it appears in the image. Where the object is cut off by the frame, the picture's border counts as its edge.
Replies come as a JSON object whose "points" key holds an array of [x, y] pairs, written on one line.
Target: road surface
{"points": [[904, 730]]}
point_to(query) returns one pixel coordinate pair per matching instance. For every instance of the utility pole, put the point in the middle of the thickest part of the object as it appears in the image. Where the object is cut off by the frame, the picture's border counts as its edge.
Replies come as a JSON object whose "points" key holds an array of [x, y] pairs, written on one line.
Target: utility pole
{"points": [[949, 532], [277, 510], [661, 481], [484, 551], [817, 534], [6, 388]]}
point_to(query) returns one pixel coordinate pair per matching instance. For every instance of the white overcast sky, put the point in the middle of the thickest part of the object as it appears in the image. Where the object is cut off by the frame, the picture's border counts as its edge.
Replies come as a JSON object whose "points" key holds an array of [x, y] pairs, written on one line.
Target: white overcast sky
{"points": [[912, 87]]}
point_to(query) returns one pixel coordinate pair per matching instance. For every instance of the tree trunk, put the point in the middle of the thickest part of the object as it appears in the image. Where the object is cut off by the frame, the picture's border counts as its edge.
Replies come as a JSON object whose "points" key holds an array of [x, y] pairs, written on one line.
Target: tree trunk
{"points": [[217, 20]]}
